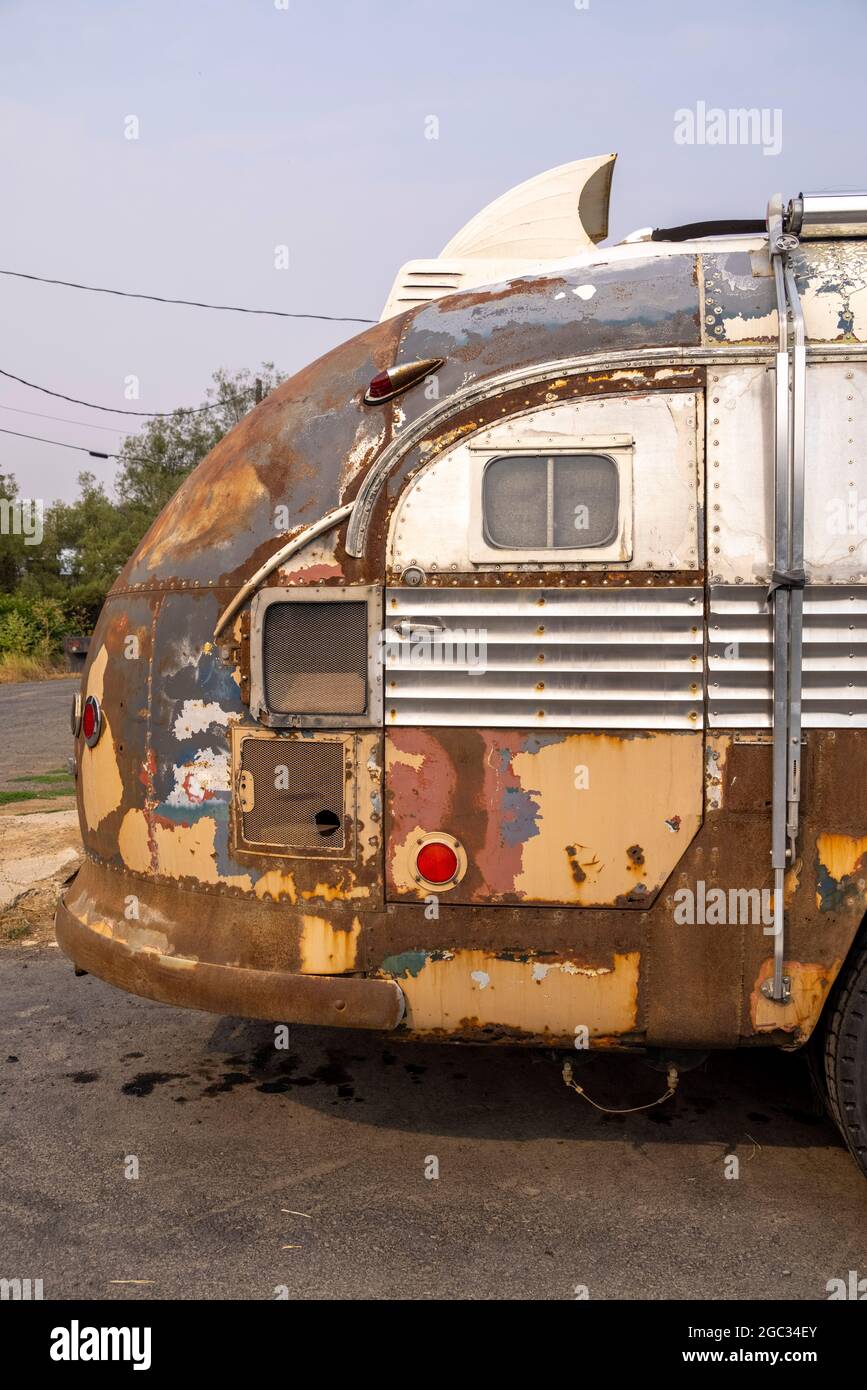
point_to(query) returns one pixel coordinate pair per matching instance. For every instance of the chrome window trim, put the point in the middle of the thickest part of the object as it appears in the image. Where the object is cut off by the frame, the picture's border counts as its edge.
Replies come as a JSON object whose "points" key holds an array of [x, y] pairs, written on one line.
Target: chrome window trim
{"points": [[490, 387]]}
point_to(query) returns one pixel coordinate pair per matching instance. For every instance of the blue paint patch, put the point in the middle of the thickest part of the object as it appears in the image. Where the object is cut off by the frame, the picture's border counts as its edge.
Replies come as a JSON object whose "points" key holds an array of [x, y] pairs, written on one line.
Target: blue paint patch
{"points": [[839, 895], [519, 814], [216, 808], [536, 742], [407, 963], [185, 755]]}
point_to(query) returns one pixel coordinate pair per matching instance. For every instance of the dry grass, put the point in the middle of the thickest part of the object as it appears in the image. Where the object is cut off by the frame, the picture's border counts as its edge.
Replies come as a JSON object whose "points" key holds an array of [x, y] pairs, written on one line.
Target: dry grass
{"points": [[30, 921], [29, 668], [34, 857]]}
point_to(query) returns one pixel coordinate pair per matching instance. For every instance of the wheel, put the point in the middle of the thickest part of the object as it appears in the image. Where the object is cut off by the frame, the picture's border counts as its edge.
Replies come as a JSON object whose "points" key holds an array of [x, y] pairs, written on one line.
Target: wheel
{"points": [[845, 1057]]}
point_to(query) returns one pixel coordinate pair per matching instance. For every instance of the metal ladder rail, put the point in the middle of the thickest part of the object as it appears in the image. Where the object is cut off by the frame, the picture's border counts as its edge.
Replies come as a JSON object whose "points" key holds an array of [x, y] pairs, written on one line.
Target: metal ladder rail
{"points": [[796, 597], [786, 591]]}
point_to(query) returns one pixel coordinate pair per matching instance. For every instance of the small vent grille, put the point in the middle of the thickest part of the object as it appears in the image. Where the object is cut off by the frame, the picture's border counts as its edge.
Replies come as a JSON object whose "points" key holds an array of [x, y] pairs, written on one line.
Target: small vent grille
{"points": [[297, 793], [741, 648], [315, 658]]}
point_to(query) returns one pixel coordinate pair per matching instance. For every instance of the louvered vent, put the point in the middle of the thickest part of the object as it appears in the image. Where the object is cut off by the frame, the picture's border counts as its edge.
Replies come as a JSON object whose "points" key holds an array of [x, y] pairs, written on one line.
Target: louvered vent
{"points": [[740, 652], [549, 658]]}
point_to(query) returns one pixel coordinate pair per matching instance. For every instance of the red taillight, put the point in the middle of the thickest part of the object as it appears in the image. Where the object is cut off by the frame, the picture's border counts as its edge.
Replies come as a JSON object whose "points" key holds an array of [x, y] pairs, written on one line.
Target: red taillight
{"points": [[437, 862], [380, 386], [91, 721], [399, 378]]}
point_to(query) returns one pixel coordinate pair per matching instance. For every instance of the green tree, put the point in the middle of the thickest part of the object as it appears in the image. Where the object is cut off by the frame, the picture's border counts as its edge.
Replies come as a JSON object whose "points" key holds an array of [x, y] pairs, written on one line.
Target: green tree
{"points": [[153, 464], [87, 542]]}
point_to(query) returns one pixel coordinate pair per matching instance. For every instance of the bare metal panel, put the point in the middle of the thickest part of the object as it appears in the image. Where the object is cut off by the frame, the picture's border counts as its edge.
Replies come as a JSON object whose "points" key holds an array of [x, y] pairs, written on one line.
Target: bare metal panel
{"points": [[740, 649], [554, 658], [655, 439], [740, 492]]}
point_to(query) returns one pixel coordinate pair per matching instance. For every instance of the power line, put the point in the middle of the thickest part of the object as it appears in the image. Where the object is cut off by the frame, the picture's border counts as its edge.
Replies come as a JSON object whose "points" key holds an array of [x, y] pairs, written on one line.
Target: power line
{"points": [[190, 303], [94, 453], [81, 448], [62, 419], [114, 410]]}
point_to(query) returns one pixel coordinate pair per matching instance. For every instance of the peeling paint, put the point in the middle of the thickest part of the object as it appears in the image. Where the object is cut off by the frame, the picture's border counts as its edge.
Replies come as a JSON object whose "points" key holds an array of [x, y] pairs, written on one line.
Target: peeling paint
{"points": [[811, 984], [196, 717], [447, 994], [326, 949], [841, 874], [101, 782]]}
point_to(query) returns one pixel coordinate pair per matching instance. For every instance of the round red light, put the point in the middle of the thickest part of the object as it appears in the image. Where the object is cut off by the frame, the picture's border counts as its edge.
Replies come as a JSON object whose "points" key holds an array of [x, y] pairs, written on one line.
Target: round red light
{"points": [[91, 721], [437, 862]]}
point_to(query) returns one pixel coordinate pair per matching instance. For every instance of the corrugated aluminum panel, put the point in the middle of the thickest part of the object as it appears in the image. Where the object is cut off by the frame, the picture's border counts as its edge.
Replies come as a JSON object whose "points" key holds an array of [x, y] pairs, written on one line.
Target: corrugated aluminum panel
{"points": [[558, 658], [740, 649]]}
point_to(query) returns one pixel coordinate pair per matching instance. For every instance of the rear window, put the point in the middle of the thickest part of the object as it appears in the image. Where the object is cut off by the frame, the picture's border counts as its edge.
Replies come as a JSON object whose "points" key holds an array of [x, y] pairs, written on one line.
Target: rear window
{"points": [[550, 502]]}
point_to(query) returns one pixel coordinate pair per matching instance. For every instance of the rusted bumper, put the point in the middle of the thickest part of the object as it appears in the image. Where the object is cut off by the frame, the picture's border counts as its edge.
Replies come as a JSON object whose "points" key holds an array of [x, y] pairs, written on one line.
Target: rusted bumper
{"points": [[336, 1001]]}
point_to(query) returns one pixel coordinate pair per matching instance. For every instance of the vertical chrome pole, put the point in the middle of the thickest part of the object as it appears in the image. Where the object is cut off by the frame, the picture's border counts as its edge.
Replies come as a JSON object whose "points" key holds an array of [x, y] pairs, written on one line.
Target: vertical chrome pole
{"points": [[796, 598], [779, 596], [787, 584]]}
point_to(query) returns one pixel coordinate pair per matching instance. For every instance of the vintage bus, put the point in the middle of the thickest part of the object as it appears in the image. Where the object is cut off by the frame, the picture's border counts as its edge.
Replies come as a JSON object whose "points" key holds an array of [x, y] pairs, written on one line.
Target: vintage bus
{"points": [[502, 677]]}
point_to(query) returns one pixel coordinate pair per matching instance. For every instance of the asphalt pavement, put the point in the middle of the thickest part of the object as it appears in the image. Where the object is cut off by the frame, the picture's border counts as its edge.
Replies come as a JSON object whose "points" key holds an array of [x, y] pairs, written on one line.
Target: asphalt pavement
{"points": [[311, 1170]]}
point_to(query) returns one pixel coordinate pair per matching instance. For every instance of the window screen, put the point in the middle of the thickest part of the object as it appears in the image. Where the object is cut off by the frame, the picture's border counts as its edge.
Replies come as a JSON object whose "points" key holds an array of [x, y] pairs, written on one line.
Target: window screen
{"points": [[314, 658], [559, 502]]}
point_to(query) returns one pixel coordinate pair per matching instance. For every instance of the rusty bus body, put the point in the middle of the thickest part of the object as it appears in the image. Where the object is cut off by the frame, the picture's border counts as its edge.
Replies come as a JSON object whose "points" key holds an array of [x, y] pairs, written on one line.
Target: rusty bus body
{"points": [[605, 774]]}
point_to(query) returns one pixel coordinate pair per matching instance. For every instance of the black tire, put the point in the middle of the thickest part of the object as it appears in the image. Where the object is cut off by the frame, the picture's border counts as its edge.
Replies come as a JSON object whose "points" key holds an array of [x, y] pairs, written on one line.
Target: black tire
{"points": [[845, 1057]]}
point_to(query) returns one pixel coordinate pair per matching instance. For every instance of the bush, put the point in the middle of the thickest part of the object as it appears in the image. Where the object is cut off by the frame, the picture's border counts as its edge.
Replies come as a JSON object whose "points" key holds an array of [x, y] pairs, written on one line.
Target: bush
{"points": [[35, 626]]}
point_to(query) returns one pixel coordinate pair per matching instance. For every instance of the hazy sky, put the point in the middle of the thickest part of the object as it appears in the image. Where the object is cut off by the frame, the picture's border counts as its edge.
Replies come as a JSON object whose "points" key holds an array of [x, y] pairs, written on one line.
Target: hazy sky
{"points": [[302, 123]]}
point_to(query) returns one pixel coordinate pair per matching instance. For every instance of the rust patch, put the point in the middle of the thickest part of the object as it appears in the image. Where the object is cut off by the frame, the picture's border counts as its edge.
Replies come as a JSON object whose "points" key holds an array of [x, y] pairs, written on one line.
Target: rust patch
{"points": [[577, 871]]}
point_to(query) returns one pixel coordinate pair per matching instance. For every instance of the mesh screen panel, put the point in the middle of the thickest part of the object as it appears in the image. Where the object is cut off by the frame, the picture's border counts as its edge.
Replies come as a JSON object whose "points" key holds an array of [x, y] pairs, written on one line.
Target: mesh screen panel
{"points": [[515, 503], [586, 500], [294, 782], [314, 658]]}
